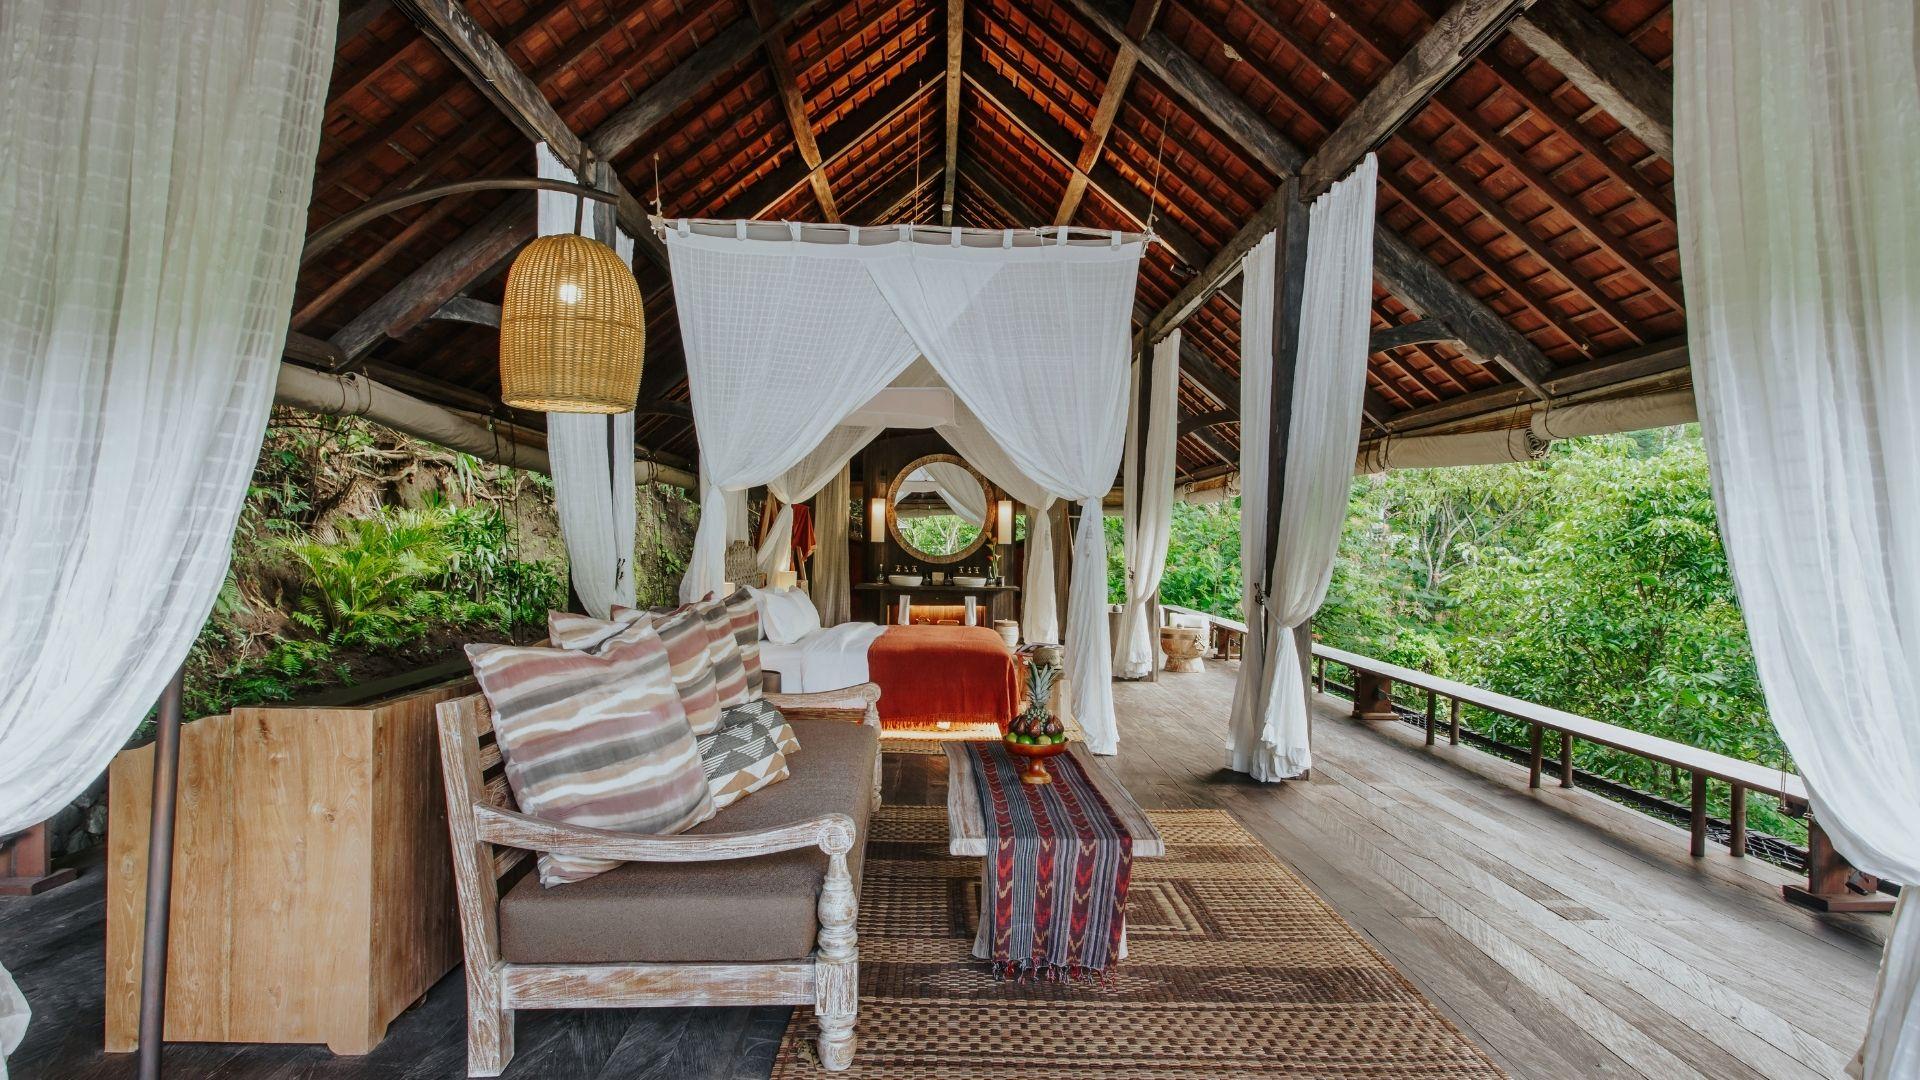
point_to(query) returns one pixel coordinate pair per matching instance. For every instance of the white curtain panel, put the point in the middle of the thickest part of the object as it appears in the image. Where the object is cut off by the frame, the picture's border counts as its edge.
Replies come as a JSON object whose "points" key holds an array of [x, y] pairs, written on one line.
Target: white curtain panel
{"points": [[1034, 341], [1797, 144], [960, 491], [790, 328], [783, 339], [1269, 725], [1252, 691], [1147, 512], [155, 169], [592, 455], [1039, 607], [776, 548], [832, 579]]}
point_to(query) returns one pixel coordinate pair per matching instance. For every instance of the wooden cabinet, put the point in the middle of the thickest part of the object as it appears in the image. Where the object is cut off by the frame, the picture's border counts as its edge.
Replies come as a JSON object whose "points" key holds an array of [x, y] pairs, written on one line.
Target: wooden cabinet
{"points": [[875, 601], [313, 889]]}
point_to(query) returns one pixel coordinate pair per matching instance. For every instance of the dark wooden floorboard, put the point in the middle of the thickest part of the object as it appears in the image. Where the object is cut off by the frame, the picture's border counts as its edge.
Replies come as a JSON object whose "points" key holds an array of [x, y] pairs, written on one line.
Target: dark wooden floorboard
{"points": [[1566, 934]]}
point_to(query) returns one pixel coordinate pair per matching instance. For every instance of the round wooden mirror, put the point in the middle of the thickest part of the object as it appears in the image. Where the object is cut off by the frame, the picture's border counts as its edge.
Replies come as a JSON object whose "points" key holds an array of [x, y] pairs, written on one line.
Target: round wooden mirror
{"points": [[939, 509]]}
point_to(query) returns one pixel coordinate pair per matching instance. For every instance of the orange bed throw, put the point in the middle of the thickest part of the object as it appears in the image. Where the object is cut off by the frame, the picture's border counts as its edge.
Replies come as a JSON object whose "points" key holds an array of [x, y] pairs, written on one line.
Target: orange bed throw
{"points": [[934, 674]]}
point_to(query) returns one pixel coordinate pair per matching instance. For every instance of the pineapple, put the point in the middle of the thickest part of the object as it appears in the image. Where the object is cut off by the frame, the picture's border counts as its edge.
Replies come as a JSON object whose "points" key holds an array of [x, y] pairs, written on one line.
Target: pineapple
{"points": [[1036, 721]]}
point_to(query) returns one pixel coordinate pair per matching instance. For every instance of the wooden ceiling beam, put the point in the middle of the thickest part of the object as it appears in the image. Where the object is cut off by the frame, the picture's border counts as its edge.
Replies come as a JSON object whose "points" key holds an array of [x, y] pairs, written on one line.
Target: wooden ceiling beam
{"points": [[956, 46], [1448, 46], [1396, 262], [1059, 144], [837, 140], [1413, 333], [1605, 67], [788, 89], [729, 49], [1126, 59], [1507, 154], [447, 24], [441, 278]]}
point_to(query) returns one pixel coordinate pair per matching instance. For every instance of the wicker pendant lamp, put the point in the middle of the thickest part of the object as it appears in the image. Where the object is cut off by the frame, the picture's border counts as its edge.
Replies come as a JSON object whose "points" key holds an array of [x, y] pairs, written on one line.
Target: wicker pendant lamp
{"points": [[573, 334]]}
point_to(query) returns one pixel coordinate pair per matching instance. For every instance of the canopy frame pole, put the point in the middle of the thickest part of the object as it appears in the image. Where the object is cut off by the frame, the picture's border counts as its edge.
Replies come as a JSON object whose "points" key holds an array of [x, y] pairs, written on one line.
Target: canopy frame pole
{"points": [[153, 948]]}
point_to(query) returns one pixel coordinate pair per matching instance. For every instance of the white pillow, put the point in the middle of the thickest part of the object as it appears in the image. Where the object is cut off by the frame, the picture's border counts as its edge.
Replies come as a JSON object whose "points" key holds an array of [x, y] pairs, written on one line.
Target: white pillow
{"points": [[786, 615]]}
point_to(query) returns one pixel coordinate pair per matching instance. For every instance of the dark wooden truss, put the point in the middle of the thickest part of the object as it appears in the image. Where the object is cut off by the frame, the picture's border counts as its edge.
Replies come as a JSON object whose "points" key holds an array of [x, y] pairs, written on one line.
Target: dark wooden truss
{"points": [[1526, 247]]}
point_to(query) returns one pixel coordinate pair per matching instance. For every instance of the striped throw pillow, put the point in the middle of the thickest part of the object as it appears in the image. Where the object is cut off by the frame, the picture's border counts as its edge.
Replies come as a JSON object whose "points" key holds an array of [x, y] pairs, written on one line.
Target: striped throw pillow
{"points": [[594, 738], [744, 615], [682, 632], [743, 756], [729, 671]]}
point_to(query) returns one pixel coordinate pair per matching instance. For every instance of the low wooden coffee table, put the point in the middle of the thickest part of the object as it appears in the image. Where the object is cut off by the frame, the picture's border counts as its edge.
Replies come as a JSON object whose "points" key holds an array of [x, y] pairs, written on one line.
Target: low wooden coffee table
{"points": [[967, 826]]}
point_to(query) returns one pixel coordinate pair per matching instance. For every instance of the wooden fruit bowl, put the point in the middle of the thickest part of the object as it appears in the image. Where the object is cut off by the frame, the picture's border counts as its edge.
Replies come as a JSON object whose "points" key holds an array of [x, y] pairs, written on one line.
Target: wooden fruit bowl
{"points": [[1035, 769]]}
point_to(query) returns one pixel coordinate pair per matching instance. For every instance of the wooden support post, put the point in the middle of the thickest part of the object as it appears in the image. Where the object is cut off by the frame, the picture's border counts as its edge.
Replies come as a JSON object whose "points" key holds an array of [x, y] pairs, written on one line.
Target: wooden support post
{"points": [[1832, 882], [1698, 826], [1566, 759], [1432, 703], [1372, 696], [1320, 674], [1533, 757], [1737, 818], [1453, 722], [26, 864], [159, 910]]}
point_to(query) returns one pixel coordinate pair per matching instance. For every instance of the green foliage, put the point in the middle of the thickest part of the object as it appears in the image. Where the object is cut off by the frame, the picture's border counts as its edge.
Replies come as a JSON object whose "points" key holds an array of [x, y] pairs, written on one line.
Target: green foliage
{"points": [[938, 534], [1592, 581], [1203, 559], [372, 587]]}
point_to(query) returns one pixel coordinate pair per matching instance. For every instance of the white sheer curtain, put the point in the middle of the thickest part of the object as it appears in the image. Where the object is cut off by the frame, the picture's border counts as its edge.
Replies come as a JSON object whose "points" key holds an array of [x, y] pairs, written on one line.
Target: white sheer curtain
{"points": [[1268, 729], [832, 579], [1147, 512], [960, 491], [155, 170], [592, 455], [783, 339], [790, 328], [1797, 144], [1034, 341], [1039, 607]]}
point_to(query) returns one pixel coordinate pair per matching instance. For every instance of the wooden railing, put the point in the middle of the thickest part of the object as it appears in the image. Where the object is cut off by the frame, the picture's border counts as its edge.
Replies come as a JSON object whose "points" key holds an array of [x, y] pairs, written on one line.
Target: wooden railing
{"points": [[1373, 682]]}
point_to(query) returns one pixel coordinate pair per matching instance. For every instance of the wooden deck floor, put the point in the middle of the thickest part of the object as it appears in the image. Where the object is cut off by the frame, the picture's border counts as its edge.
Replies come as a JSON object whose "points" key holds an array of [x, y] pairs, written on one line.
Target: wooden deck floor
{"points": [[1568, 935]]}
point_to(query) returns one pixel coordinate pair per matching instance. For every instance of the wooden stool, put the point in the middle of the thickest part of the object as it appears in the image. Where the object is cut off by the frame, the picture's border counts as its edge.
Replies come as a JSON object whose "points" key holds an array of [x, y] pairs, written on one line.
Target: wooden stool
{"points": [[1182, 646]]}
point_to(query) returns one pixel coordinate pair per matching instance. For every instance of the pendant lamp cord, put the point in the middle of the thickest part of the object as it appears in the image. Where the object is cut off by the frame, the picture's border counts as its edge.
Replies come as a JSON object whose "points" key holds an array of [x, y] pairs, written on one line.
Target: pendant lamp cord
{"points": [[1153, 197], [587, 169]]}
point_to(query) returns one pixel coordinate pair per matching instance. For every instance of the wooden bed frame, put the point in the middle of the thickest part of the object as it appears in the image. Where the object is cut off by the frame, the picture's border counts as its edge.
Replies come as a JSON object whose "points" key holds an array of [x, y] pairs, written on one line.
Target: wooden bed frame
{"points": [[491, 838]]}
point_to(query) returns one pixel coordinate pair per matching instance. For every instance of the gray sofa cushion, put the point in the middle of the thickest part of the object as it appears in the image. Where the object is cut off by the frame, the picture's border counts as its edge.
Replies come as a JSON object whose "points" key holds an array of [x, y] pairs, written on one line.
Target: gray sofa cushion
{"points": [[732, 911]]}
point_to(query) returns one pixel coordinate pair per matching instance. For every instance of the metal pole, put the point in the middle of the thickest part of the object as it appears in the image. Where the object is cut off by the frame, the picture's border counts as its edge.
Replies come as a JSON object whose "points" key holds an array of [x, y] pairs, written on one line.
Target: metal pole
{"points": [[153, 950]]}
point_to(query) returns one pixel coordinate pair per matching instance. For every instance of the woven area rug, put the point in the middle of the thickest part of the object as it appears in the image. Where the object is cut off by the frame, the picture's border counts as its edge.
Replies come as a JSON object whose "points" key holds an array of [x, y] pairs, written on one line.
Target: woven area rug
{"points": [[1234, 968]]}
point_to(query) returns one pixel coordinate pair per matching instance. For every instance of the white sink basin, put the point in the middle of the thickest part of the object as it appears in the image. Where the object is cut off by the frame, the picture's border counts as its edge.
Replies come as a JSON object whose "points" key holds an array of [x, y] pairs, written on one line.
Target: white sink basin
{"points": [[904, 579], [970, 582]]}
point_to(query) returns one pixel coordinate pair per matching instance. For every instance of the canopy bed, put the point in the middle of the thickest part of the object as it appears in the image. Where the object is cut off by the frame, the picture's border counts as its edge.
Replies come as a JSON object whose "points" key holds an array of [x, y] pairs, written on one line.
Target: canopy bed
{"points": [[791, 329]]}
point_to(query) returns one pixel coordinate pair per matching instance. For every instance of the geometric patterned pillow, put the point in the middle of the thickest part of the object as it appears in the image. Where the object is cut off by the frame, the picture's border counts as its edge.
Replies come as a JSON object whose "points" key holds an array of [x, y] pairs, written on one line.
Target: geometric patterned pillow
{"points": [[766, 714], [742, 756], [594, 738], [729, 671], [744, 615]]}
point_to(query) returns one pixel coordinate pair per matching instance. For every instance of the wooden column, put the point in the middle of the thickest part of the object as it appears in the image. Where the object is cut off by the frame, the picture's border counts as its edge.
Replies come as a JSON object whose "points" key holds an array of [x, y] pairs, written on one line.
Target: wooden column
{"points": [[1737, 819], [1698, 825], [1289, 287], [1372, 696]]}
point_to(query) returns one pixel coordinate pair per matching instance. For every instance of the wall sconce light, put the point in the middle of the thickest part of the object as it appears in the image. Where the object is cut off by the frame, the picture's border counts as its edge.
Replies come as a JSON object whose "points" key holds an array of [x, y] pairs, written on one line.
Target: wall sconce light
{"points": [[877, 519], [783, 579], [1006, 522]]}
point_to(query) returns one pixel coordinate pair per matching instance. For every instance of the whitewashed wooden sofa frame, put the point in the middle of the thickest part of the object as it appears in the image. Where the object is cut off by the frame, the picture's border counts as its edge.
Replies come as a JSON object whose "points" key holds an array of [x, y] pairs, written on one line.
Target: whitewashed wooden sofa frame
{"points": [[490, 838]]}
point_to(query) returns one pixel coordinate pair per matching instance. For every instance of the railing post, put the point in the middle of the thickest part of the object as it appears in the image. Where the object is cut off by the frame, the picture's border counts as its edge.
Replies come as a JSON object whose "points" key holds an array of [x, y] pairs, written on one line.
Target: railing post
{"points": [[1566, 759], [1533, 757], [1737, 818], [1453, 721], [1699, 822], [1431, 702]]}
